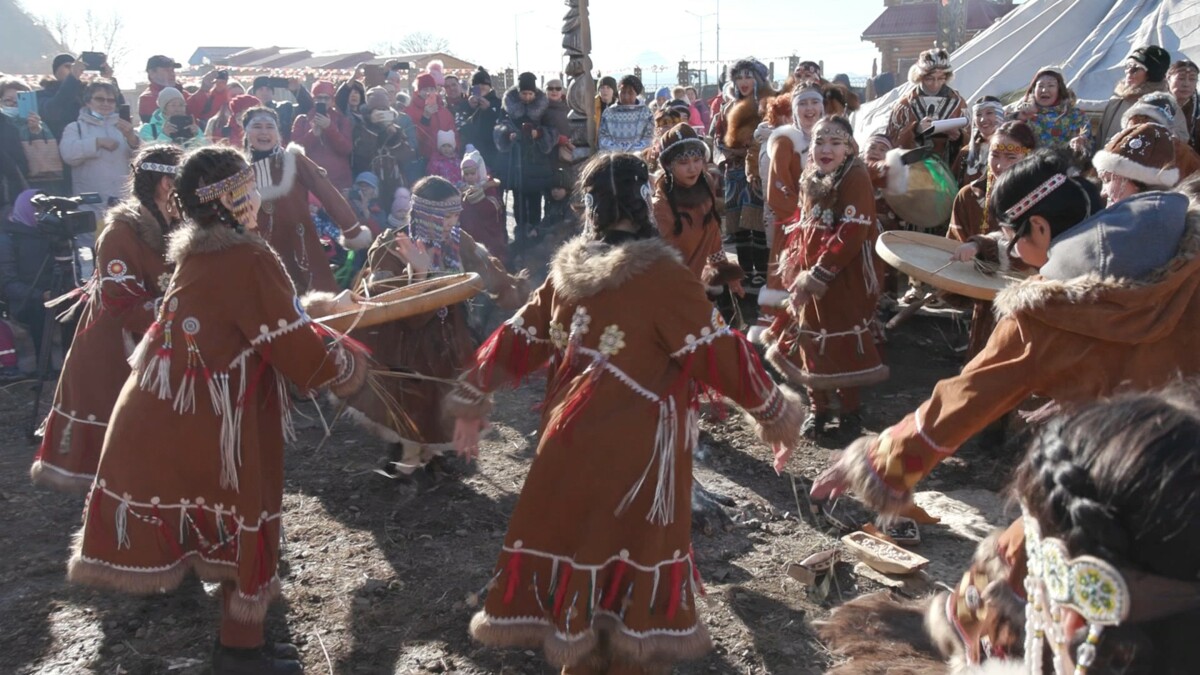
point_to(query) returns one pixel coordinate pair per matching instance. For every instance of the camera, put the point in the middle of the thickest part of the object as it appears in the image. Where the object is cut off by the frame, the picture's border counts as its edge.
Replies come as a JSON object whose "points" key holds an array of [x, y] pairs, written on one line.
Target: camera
{"points": [[93, 60], [62, 218], [321, 108]]}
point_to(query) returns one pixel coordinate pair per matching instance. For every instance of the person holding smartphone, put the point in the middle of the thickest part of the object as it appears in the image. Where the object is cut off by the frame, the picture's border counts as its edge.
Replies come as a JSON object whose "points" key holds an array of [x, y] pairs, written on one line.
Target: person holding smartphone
{"points": [[429, 114], [98, 147], [326, 135], [171, 123]]}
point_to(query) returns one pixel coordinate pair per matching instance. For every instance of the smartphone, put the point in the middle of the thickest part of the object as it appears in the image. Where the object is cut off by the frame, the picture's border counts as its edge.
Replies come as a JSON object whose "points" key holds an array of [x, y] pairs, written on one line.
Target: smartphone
{"points": [[475, 90], [222, 74], [321, 108], [181, 122], [431, 99], [93, 60], [402, 65], [26, 104], [124, 113]]}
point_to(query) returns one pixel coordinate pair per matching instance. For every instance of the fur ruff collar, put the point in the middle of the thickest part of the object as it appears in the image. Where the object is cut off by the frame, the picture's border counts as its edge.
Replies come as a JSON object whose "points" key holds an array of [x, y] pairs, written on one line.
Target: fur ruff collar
{"points": [[584, 267], [1037, 292], [518, 109], [818, 186], [799, 138], [287, 161], [1124, 91], [189, 238], [145, 225]]}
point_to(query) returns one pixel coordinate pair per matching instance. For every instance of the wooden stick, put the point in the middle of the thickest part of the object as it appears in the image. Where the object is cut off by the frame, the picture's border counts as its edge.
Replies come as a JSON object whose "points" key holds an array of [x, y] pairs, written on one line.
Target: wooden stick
{"points": [[907, 313]]}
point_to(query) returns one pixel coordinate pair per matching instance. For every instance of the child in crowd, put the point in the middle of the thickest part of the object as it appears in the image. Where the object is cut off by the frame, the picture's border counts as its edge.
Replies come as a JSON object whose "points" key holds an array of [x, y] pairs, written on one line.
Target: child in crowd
{"points": [[445, 162], [483, 214]]}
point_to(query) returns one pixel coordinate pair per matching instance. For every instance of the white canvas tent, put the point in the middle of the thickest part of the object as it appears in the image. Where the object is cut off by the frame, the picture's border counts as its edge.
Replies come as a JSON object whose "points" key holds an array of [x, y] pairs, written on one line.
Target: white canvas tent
{"points": [[1088, 39]]}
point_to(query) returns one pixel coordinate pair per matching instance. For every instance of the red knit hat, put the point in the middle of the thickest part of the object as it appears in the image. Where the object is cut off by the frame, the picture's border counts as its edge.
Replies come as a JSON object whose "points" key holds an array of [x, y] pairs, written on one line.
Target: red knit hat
{"points": [[426, 81], [1144, 153], [323, 88], [241, 104]]}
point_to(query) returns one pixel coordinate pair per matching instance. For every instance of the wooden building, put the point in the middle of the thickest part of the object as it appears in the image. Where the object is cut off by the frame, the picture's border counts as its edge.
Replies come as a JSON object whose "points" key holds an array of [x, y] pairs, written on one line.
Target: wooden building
{"points": [[908, 27]]}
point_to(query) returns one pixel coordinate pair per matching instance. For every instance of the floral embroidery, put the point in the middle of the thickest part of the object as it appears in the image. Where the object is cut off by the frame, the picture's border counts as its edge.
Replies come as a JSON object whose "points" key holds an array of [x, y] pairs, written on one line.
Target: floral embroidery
{"points": [[827, 217], [851, 216], [558, 335], [163, 281], [717, 321], [580, 323], [612, 341]]}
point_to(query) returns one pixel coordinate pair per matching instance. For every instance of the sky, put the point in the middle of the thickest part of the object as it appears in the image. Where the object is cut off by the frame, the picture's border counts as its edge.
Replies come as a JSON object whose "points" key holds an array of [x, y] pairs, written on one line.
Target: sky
{"points": [[625, 33]]}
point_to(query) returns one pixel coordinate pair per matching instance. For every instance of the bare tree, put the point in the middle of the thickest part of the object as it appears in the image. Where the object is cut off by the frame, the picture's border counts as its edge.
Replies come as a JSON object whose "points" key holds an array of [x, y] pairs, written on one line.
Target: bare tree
{"points": [[418, 42], [61, 27], [93, 32]]}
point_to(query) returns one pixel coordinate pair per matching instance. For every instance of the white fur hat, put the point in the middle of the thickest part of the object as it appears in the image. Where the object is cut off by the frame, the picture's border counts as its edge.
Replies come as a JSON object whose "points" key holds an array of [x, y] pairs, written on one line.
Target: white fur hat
{"points": [[929, 61], [1144, 153], [472, 157], [446, 138]]}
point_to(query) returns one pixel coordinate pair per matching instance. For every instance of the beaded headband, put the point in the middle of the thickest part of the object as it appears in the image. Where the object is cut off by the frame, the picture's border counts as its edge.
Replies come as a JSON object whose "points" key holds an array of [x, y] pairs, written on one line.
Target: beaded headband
{"points": [[158, 168], [1039, 193], [238, 184], [834, 129], [1015, 148], [428, 207], [685, 148]]}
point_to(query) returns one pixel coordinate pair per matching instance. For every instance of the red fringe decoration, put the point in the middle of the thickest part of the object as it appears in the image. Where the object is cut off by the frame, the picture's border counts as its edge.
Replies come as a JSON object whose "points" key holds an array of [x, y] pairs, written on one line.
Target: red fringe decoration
{"points": [[486, 354], [685, 373], [514, 576], [560, 594], [166, 533], [578, 400], [676, 588], [92, 511], [326, 332], [696, 571], [201, 523], [258, 375], [614, 585]]}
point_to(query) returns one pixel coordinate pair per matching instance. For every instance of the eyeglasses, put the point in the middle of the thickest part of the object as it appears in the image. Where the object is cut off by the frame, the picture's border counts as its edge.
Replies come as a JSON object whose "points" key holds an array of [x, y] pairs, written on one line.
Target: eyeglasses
{"points": [[103, 99], [1134, 67], [554, 88]]}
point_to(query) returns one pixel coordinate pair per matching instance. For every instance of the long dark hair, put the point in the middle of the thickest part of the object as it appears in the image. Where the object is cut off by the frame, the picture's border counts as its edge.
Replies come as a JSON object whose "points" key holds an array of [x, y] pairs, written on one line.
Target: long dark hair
{"points": [[341, 99], [1063, 208], [1117, 480], [143, 183], [205, 166], [610, 188]]}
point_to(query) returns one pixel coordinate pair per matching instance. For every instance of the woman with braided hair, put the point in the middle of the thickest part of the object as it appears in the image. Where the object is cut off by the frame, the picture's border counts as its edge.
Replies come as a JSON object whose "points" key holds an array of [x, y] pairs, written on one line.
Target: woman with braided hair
{"points": [[596, 567], [191, 475], [687, 212], [1116, 304], [117, 308]]}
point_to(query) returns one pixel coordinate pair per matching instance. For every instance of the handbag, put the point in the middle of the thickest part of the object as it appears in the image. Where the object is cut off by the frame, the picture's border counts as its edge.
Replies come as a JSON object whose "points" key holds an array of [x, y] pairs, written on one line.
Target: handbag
{"points": [[41, 154]]}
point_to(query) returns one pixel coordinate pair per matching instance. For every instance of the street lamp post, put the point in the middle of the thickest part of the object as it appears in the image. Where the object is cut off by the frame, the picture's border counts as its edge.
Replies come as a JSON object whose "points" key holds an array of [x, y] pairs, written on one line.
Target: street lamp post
{"points": [[517, 39], [701, 18]]}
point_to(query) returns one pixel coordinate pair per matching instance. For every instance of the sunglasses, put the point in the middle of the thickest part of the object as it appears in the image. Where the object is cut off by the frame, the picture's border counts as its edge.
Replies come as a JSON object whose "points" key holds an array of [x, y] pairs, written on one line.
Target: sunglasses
{"points": [[103, 99], [554, 88], [1134, 67]]}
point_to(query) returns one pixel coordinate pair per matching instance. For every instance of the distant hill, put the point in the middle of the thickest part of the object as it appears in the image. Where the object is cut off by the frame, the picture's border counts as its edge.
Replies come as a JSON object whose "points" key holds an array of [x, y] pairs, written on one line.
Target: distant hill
{"points": [[28, 47]]}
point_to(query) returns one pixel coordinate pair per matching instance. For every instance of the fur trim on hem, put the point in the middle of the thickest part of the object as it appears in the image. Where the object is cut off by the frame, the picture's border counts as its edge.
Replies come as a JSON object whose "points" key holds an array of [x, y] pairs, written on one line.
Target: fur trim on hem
{"points": [[862, 480], [319, 303], [772, 297], [658, 649], [44, 474], [1127, 168], [755, 334], [356, 242], [823, 382], [785, 428], [251, 609], [584, 267], [897, 172], [287, 180], [466, 403], [1036, 292], [809, 283]]}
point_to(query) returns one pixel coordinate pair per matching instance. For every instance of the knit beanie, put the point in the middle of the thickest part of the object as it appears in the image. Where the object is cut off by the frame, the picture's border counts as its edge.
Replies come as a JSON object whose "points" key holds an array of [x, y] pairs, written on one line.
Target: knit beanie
{"points": [[679, 140], [445, 137], [481, 76], [426, 81], [1155, 59], [473, 158], [527, 82], [167, 95], [1159, 106], [1144, 153], [929, 61], [438, 71], [663, 93], [323, 88], [241, 104], [607, 81], [60, 60]]}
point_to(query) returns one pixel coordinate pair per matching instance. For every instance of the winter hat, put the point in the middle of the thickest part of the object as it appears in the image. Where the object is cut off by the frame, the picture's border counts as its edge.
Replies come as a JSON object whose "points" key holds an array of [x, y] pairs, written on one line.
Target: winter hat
{"points": [[527, 82], [561, 179], [260, 82], [241, 104], [663, 93], [881, 138], [401, 200], [60, 61], [607, 81], [445, 137], [634, 82], [679, 107], [554, 83], [681, 140], [167, 95], [23, 211], [426, 81], [481, 76], [473, 159], [438, 71], [1159, 106], [368, 178], [753, 66], [323, 88], [929, 61], [1144, 153], [1155, 59]]}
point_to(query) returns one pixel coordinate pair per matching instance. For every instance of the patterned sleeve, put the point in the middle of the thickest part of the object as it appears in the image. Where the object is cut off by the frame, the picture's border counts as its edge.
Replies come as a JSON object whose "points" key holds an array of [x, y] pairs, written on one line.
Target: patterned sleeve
{"points": [[519, 347], [270, 316], [853, 222], [123, 290], [883, 470], [721, 359]]}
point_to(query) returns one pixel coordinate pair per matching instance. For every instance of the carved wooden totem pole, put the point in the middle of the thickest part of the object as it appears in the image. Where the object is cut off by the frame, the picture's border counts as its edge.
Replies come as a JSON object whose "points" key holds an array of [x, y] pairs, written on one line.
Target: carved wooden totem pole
{"points": [[581, 90]]}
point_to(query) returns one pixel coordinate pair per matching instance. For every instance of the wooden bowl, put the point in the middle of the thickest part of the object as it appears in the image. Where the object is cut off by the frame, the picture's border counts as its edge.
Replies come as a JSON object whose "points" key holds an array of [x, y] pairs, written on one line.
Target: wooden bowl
{"points": [[883, 556]]}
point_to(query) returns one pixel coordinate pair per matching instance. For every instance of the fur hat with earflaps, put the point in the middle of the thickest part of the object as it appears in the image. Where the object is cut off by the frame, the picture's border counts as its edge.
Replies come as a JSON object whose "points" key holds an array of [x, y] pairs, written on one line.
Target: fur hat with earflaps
{"points": [[681, 140], [929, 61], [1144, 153], [1154, 59]]}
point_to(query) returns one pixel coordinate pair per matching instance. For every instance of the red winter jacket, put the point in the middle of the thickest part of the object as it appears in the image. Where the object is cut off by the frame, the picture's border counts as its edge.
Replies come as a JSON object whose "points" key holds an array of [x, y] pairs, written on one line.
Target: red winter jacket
{"points": [[427, 129], [201, 105], [331, 148]]}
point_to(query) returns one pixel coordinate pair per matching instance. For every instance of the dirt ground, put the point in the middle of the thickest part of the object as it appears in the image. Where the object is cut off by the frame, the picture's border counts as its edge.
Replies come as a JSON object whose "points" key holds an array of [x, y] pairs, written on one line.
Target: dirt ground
{"points": [[376, 573]]}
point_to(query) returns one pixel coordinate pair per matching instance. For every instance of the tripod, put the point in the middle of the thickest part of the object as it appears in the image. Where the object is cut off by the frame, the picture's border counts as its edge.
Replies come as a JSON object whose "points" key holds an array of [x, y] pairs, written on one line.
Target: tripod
{"points": [[60, 263]]}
